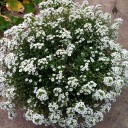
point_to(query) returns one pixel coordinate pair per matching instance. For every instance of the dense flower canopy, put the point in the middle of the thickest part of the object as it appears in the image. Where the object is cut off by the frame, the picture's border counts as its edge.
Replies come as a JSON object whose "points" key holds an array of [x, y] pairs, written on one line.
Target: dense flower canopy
{"points": [[63, 66]]}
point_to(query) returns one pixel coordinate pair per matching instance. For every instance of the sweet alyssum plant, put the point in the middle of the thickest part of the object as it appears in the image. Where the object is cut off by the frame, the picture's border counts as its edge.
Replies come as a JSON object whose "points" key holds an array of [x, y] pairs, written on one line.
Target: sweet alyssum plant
{"points": [[63, 66]]}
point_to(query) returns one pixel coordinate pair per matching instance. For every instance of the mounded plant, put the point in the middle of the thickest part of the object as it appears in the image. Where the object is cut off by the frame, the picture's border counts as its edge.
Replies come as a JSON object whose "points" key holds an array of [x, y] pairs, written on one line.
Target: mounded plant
{"points": [[63, 66]]}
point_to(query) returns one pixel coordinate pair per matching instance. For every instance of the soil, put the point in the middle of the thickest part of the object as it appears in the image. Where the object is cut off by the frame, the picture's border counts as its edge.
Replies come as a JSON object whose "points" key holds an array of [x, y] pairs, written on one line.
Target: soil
{"points": [[118, 115]]}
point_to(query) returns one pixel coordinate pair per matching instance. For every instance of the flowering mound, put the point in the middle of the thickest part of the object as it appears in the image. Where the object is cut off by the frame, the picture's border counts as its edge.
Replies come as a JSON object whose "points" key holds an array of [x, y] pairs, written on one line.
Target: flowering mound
{"points": [[62, 66]]}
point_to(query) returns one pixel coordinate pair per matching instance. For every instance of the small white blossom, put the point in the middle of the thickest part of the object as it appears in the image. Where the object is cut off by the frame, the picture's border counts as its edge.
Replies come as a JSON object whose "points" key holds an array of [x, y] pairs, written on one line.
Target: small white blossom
{"points": [[41, 94], [108, 81], [99, 95]]}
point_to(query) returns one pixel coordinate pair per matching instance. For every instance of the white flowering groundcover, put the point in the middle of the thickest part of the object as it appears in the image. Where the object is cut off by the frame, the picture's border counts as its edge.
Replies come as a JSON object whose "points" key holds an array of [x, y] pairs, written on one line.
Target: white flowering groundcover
{"points": [[62, 66]]}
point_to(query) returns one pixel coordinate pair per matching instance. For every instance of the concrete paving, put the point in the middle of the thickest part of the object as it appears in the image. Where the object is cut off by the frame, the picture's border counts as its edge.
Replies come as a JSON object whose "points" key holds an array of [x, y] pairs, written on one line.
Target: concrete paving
{"points": [[118, 115]]}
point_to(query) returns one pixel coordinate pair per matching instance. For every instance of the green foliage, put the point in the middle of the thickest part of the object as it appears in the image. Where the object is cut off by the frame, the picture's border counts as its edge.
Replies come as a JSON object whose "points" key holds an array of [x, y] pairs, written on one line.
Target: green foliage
{"points": [[36, 1], [16, 20], [29, 8], [2, 2], [3, 23], [10, 6]]}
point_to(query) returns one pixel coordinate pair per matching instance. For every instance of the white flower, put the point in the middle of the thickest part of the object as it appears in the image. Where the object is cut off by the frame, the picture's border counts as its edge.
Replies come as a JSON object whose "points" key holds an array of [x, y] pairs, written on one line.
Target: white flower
{"points": [[37, 119], [106, 107], [2, 76], [10, 93], [61, 52], [117, 71], [54, 117], [43, 62], [28, 114], [88, 88], [72, 123], [65, 34], [124, 54], [98, 116], [80, 108], [73, 82], [108, 81], [85, 66], [99, 95], [70, 49], [10, 60], [70, 111], [11, 114], [117, 23], [57, 91], [88, 27], [28, 66], [41, 94], [53, 107]]}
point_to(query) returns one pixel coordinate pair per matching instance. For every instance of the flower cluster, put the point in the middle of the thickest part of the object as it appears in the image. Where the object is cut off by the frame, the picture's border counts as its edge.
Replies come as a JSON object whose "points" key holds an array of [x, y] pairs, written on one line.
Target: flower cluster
{"points": [[62, 65], [41, 94]]}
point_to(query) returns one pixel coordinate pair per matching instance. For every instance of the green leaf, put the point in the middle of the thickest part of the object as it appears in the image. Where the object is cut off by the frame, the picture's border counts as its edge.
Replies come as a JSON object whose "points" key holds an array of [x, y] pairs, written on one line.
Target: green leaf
{"points": [[36, 1], [16, 20], [14, 5], [3, 23], [29, 8], [2, 2]]}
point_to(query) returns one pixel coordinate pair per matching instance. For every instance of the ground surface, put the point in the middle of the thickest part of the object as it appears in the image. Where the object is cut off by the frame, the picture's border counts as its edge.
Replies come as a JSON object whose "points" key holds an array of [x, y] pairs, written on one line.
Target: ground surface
{"points": [[118, 116]]}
